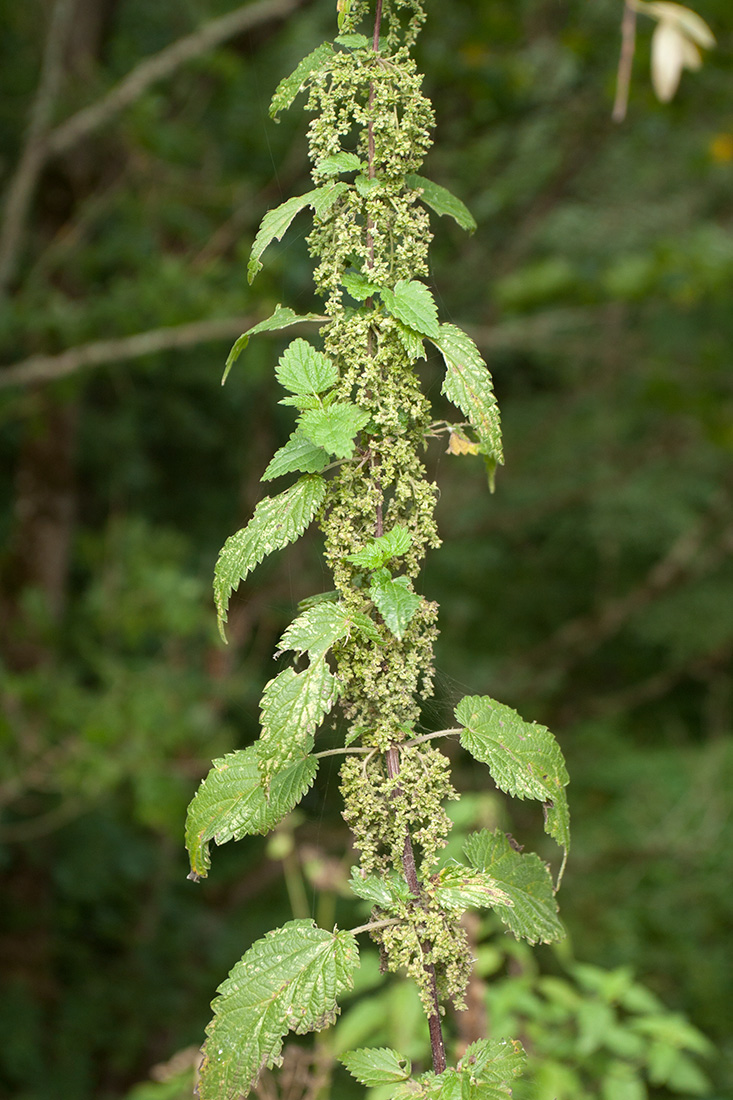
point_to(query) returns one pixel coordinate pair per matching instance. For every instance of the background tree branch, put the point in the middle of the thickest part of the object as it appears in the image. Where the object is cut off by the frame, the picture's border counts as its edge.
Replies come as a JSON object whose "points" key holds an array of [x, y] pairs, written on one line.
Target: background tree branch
{"points": [[162, 65], [49, 368], [22, 185]]}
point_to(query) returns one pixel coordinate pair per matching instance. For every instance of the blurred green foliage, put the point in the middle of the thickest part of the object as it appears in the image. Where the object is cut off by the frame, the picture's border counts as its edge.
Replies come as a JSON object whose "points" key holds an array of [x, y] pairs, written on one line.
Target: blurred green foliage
{"points": [[594, 590]]}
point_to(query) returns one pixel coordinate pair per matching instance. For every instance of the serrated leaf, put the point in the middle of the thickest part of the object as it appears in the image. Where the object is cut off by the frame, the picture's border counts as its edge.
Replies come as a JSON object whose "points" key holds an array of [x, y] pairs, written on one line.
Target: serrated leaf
{"points": [[293, 706], [297, 455], [358, 286], [283, 317], [387, 891], [395, 601], [276, 222], [288, 981], [366, 185], [230, 803], [492, 1064], [442, 201], [276, 522], [525, 879], [379, 551], [524, 758], [367, 627], [461, 888], [411, 341], [316, 630], [353, 41], [468, 385], [377, 1066], [305, 371], [334, 428], [412, 303], [289, 86], [339, 162], [320, 597]]}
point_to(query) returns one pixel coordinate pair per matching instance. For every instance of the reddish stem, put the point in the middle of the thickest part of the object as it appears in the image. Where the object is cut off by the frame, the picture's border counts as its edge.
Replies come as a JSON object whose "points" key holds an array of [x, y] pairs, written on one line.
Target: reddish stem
{"points": [[437, 1046]]}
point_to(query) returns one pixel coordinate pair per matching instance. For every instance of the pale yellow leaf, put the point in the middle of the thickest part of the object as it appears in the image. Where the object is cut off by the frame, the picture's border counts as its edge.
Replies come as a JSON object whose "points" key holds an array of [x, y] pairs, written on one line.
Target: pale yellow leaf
{"points": [[688, 22], [459, 445], [668, 59]]}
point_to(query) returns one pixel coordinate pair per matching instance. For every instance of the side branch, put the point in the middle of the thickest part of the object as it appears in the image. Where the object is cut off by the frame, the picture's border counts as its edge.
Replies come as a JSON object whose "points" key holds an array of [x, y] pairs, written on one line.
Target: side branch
{"points": [[49, 368], [23, 182], [162, 65]]}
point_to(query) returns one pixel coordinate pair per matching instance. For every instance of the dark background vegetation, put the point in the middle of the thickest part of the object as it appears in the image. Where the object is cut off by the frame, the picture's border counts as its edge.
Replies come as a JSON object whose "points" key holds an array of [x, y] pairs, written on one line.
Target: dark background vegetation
{"points": [[593, 591]]}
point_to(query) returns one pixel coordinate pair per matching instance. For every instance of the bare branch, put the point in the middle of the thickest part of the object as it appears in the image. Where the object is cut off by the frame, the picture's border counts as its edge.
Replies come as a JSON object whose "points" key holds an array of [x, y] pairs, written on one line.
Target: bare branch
{"points": [[625, 62], [48, 368], [162, 65], [23, 182]]}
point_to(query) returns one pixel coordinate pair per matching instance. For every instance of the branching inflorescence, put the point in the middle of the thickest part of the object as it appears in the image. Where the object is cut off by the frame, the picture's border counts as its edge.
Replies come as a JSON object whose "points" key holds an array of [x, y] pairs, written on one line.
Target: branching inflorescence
{"points": [[365, 649]]}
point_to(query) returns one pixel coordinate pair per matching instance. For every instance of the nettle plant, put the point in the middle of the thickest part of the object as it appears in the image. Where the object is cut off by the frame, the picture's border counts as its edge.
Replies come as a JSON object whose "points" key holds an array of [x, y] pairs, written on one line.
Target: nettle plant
{"points": [[363, 653]]}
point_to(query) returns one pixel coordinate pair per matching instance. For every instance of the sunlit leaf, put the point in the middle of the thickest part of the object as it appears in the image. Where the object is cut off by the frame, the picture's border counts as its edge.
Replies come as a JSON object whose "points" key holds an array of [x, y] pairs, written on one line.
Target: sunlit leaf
{"points": [[379, 551], [298, 455], [289, 86], [524, 758], [276, 222], [378, 1066], [532, 910], [283, 317], [293, 706], [412, 303], [276, 522], [468, 385], [395, 601], [335, 427], [230, 802], [303, 370], [442, 201], [288, 981]]}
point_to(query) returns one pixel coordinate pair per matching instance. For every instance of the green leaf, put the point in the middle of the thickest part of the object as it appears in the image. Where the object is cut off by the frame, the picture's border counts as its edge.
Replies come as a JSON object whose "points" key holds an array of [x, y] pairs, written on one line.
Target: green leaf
{"points": [[276, 522], [377, 1066], [524, 758], [413, 304], [283, 317], [339, 162], [276, 222], [353, 41], [358, 286], [366, 185], [461, 888], [489, 1066], [388, 891], [411, 341], [395, 601], [288, 981], [315, 631], [320, 597], [230, 803], [303, 370], [468, 385], [525, 879], [379, 551], [293, 706], [297, 455], [289, 86], [442, 201], [334, 428]]}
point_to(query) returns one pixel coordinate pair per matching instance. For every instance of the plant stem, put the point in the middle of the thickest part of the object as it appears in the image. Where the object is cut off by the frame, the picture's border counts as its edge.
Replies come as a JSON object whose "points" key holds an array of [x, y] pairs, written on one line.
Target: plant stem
{"points": [[437, 1046]]}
